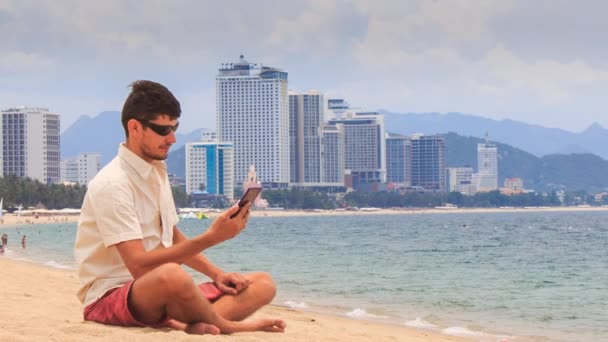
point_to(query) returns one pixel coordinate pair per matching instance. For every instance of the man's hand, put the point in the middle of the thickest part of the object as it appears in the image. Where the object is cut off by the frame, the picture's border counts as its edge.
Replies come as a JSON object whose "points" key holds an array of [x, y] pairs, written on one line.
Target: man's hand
{"points": [[224, 227], [231, 283]]}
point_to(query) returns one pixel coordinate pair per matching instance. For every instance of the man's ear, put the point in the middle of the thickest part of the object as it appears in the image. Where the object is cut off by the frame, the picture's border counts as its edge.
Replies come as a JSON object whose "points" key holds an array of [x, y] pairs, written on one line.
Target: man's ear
{"points": [[133, 126]]}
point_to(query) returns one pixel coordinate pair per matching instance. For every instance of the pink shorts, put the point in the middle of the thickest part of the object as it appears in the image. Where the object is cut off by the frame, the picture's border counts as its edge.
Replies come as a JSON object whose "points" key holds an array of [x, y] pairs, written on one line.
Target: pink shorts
{"points": [[112, 307]]}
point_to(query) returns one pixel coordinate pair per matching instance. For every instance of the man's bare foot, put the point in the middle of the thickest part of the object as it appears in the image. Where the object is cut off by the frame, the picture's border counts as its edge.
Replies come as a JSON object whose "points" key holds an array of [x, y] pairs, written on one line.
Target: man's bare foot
{"points": [[202, 329], [266, 324], [196, 328], [272, 325]]}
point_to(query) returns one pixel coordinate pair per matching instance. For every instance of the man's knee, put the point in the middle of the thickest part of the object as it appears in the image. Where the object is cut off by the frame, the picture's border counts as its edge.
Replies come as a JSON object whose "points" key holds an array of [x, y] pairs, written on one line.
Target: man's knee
{"points": [[174, 279], [265, 283]]}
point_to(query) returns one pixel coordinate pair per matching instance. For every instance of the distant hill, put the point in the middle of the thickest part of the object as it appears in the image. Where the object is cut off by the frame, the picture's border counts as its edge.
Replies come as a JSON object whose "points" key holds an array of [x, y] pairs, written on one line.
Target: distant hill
{"points": [[535, 139], [99, 134], [102, 134], [176, 162], [577, 171], [551, 172]]}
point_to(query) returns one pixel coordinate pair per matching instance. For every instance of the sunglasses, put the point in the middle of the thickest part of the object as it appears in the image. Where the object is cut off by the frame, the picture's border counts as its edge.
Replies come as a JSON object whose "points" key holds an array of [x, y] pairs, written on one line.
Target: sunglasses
{"points": [[162, 130]]}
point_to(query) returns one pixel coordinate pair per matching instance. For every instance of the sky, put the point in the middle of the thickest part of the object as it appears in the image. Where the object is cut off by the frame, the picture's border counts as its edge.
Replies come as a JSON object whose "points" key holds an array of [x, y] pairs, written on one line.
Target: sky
{"points": [[539, 62]]}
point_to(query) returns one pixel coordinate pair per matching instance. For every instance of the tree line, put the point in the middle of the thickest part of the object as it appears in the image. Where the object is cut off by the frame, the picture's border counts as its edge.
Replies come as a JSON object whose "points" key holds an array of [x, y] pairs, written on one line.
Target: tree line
{"points": [[29, 193], [303, 199], [26, 192]]}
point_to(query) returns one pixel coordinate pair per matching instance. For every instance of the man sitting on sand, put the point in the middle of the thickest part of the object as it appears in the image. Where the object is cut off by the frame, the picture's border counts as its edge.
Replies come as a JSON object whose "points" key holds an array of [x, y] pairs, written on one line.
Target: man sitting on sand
{"points": [[129, 249]]}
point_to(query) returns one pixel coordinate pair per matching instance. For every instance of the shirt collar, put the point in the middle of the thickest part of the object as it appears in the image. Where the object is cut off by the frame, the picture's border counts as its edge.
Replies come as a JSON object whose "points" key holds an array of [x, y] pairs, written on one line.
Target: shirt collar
{"points": [[142, 167]]}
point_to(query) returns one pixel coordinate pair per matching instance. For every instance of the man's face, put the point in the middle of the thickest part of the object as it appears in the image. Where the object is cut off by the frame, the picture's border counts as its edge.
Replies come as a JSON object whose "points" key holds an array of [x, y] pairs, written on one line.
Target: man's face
{"points": [[158, 136]]}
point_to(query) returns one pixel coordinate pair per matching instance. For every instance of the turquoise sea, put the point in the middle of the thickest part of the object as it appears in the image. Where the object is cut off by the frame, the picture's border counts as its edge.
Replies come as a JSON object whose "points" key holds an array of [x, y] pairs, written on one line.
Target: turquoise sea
{"points": [[525, 276]]}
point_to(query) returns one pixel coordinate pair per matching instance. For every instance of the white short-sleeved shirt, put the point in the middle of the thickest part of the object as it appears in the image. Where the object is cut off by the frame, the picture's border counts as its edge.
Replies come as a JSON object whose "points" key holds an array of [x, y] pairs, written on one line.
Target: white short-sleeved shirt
{"points": [[128, 199]]}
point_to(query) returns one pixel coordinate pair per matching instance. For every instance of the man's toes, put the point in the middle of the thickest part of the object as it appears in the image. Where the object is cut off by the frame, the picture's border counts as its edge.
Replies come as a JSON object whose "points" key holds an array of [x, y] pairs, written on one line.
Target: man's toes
{"points": [[202, 329]]}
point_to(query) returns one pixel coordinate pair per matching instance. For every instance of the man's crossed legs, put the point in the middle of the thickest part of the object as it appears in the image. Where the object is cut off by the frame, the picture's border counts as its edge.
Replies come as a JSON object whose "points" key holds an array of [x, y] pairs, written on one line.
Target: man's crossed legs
{"points": [[168, 296]]}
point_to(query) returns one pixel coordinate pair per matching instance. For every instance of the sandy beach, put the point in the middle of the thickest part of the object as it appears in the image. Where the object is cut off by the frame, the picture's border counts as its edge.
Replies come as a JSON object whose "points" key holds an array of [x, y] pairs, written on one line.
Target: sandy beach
{"points": [[11, 220], [257, 212], [39, 304]]}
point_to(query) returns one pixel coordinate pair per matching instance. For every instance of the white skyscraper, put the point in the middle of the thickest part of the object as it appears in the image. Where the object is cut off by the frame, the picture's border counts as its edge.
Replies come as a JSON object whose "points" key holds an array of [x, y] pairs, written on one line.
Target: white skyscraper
{"points": [[487, 167], [253, 113], [210, 165], [364, 145], [80, 169], [333, 154], [306, 116], [30, 144]]}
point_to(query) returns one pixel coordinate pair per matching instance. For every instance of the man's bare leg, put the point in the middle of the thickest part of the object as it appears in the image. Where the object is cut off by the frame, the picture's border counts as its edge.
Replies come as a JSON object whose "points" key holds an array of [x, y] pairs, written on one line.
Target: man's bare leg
{"points": [[169, 291], [261, 291]]}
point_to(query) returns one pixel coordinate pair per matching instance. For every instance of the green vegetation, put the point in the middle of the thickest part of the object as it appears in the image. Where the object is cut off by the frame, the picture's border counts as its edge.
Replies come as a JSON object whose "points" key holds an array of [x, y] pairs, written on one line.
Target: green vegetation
{"points": [[180, 197], [29, 193], [571, 172], [300, 199]]}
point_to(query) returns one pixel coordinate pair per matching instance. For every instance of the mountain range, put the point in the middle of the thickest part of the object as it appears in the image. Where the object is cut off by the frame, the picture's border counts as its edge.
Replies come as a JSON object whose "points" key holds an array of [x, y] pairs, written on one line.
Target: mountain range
{"points": [[535, 139], [102, 134], [546, 158]]}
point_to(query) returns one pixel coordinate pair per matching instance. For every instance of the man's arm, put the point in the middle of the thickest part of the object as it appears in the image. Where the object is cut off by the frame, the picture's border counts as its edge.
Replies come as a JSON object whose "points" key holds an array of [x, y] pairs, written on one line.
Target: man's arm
{"points": [[231, 283], [139, 261], [198, 262]]}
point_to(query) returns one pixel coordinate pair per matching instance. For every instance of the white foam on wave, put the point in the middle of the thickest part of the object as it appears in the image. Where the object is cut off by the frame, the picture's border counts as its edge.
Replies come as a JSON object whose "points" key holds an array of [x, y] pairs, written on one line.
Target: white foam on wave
{"points": [[461, 331], [57, 265], [421, 324], [296, 305], [361, 313]]}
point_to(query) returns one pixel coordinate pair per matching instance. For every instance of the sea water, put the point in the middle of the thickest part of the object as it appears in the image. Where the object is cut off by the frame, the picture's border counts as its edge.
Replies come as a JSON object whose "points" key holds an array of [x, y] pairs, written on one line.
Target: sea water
{"points": [[523, 276]]}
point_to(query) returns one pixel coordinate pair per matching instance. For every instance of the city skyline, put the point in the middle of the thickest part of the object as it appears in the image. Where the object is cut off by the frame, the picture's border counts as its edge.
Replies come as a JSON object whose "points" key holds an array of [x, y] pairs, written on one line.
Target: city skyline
{"points": [[539, 63]]}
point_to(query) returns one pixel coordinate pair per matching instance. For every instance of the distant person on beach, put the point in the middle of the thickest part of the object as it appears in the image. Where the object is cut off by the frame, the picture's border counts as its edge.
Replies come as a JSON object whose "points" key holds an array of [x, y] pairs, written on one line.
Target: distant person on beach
{"points": [[23, 242], [129, 249], [4, 239]]}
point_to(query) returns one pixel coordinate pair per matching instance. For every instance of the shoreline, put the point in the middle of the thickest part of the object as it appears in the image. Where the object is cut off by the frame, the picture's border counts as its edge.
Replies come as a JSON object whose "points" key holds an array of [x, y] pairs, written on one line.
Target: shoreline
{"points": [[38, 297], [257, 212], [12, 220]]}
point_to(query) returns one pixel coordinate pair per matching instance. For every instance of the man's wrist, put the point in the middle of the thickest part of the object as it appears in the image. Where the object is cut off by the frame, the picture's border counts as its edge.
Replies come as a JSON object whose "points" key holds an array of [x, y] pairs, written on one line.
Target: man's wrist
{"points": [[205, 240]]}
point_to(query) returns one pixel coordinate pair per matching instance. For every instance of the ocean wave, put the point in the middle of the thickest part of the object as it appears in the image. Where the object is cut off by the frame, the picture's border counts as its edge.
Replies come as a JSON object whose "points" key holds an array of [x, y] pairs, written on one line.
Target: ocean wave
{"points": [[421, 324], [296, 305], [57, 265], [361, 313], [461, 331]]}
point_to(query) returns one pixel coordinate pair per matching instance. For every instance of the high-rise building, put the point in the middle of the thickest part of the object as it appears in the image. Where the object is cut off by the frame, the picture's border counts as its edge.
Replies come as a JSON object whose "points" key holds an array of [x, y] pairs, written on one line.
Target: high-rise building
{"points": [[487, 167], [80, 169], [253, 114], [306, 120], [364, 145], [460, 180], [398, 160], [428, 162], [31, 144], [210, 136], [333, 154], [210, 167], [336, 108]]}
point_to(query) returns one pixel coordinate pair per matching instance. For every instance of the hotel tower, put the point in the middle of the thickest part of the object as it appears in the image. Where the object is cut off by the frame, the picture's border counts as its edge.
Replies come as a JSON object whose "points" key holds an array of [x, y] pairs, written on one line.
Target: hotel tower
{"points": [[253, 113]]}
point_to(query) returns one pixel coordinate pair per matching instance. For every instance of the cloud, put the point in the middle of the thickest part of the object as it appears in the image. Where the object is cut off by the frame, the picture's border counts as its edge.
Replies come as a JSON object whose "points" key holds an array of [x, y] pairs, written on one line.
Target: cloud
{"points": [[539, 61], [552, 81], [14, 62], [320, 28]]}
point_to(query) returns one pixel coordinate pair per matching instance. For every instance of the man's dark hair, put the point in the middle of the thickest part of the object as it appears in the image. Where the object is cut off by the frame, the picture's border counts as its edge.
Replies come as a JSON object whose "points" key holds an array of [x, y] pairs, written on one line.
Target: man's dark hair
{"points": [[147, 101]]}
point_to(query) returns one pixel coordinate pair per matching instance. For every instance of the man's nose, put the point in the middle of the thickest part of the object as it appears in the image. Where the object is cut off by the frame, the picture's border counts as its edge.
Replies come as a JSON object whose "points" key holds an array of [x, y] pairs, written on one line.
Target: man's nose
{"points": [[171, 137]]}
